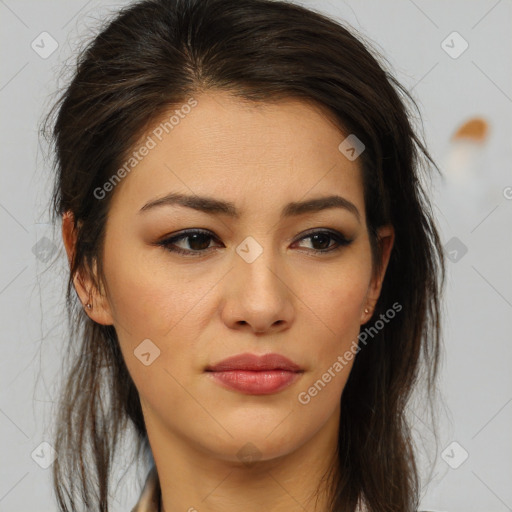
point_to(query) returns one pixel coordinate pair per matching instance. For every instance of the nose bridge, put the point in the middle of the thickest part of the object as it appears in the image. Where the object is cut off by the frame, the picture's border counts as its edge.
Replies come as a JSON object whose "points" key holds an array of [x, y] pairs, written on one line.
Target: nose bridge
{"points": [[258, 264], [256, 292]]}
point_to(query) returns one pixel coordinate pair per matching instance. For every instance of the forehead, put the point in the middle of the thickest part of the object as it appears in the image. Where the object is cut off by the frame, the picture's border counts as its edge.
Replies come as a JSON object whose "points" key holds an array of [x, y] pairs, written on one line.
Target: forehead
{"points": [[243, 152]]}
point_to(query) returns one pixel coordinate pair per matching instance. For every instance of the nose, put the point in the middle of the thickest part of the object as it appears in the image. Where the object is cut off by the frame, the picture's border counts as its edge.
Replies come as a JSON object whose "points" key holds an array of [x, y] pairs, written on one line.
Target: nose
{"points": [[257, 296]]}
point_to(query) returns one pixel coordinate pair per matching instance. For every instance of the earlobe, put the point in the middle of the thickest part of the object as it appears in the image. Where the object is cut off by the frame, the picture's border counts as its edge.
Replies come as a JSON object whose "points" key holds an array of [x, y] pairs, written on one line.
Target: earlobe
{"points": [[95, 304], [367, 314]]}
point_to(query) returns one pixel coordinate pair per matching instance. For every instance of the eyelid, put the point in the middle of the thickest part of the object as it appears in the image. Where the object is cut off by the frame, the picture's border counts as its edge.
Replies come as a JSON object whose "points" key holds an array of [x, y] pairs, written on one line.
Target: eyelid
{"points": [[340, 241]]}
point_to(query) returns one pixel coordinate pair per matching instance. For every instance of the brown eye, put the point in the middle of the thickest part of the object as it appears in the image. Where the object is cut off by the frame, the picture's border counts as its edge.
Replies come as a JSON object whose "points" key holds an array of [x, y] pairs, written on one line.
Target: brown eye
{"points": [[198, 242], [321, 239]]}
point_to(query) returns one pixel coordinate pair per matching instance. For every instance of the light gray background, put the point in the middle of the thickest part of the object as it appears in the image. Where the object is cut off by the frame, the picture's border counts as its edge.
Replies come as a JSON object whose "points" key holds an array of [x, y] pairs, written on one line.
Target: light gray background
{"points": [[476, 381]]}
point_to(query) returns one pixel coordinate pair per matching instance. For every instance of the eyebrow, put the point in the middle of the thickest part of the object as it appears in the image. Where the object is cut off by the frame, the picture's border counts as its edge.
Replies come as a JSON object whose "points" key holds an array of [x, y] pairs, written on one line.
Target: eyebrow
{"points": [[216, 206]]}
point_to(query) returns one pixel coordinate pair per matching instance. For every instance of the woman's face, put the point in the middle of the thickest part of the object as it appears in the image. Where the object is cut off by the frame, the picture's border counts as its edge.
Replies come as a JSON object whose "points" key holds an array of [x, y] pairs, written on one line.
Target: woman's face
{"points": [[251, 283]]}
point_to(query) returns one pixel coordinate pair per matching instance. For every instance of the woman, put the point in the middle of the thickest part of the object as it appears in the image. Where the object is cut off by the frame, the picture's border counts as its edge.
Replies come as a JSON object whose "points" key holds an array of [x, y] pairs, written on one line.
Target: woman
{"points": [[256, 264]]}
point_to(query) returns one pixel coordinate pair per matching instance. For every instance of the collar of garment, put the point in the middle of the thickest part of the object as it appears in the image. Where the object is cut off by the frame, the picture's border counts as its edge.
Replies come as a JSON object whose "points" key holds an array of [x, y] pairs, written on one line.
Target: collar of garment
{"points": [[149, 499]]}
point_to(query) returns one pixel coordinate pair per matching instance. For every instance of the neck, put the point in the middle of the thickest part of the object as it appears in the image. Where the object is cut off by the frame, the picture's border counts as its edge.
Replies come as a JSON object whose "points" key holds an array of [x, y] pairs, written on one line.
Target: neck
{"points": [[193, 480]]}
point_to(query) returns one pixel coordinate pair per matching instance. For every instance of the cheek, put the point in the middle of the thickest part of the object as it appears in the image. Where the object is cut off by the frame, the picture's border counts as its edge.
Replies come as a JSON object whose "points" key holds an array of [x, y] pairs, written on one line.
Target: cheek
{"points": [[336, 309], [339, 309], [150, 303], [340, 298], [344, 299], [341, 317], [149, 298]]}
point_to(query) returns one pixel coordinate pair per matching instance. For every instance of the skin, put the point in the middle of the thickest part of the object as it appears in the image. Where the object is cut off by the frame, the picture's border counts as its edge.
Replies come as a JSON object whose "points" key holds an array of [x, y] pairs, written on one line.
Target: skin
{"points": [[199, 310]]}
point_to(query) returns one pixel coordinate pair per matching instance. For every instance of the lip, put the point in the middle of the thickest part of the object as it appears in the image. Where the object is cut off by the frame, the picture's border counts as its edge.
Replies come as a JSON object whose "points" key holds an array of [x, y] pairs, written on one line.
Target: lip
{"points": [[254, 374], [254, 362]]}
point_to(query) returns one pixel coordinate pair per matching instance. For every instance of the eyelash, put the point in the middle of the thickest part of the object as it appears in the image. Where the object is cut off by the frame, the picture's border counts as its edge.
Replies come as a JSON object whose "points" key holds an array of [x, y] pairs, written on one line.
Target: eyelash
{"points": [[168, 242]]}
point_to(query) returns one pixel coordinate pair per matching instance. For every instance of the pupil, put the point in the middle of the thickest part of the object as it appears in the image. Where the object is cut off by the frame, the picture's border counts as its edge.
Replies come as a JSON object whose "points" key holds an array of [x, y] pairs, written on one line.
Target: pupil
{"points": [[199, 241], [195, 241], [319, 237]]}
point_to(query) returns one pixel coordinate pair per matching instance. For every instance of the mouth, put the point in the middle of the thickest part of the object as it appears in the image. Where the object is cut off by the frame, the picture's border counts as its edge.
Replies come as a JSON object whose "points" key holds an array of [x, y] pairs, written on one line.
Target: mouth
{"points": [[255, 375]]}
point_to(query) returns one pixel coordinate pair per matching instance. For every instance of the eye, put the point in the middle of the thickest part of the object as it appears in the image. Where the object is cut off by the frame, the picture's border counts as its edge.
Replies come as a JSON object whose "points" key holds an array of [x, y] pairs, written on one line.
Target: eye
{"points": [[321, 238], [198, 242]]}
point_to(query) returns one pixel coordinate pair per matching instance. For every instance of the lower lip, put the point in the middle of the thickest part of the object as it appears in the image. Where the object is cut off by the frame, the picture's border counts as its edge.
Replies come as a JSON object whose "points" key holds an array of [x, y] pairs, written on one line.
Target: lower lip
{"points": [[256, 382]]}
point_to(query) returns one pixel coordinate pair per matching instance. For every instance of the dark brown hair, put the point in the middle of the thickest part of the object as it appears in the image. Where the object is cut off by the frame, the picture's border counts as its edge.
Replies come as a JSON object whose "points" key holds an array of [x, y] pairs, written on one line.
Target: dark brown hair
{"points": [[154, 55]]}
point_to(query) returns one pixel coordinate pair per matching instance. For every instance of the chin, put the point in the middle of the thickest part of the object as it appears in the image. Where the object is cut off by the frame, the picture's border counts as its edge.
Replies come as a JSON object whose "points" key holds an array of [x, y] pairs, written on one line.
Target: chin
{"points": [[250, 445]]}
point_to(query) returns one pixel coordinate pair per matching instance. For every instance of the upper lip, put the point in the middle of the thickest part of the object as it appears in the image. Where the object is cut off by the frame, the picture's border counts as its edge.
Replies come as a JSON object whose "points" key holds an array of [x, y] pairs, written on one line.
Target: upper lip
{"points": [[254, 362]]}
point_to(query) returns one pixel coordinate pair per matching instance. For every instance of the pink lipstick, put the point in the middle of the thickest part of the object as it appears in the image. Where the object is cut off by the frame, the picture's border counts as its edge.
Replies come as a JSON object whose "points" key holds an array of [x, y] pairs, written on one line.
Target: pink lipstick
{"points": [[255, 375]]}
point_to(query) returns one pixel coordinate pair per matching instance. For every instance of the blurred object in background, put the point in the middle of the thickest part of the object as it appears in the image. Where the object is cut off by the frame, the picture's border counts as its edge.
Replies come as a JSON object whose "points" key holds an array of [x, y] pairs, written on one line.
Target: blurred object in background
{"points": [[467, 180]]}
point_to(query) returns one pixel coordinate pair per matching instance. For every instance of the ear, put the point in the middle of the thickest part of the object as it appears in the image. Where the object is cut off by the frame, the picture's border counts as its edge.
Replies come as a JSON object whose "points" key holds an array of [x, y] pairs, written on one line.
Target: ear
{"points": [[386, 239], [84, 286]]}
